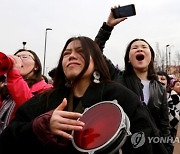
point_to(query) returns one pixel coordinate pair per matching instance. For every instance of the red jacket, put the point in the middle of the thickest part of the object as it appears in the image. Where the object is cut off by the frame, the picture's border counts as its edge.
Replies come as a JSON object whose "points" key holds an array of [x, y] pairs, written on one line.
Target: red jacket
{"points": [[19, 89]]}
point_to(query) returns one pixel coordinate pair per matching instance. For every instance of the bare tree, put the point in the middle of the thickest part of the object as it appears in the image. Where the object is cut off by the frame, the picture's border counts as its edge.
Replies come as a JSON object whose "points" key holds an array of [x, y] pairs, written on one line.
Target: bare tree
{"points": [[159, 58], [177, 58]]}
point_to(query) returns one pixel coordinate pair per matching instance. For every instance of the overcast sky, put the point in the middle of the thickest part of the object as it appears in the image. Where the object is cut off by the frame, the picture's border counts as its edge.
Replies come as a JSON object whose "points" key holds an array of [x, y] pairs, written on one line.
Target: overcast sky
{"points": [[26, 21]]}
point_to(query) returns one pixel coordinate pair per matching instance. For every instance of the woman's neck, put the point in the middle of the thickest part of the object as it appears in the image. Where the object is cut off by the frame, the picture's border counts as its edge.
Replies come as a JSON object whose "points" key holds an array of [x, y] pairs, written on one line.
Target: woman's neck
{"points": [[142, 74], [80, 88]]}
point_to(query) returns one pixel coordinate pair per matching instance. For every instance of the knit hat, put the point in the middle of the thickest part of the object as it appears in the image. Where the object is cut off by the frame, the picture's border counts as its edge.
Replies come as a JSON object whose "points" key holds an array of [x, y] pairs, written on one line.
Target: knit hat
{"points": [[173, 81]]}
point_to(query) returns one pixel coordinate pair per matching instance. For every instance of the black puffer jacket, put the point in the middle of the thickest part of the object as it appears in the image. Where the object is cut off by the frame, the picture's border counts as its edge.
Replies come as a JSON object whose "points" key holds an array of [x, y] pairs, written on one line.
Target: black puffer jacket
{"points": [[157, 104]]}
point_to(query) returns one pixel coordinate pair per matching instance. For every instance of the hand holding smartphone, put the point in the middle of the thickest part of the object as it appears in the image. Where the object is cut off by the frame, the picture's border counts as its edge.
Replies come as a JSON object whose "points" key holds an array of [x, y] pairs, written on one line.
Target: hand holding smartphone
{"points": [[124, 11]]}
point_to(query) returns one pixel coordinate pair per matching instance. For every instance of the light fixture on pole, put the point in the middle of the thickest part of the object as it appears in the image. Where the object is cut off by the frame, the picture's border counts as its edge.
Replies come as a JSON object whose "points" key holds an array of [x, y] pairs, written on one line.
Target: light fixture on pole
{"points": [[170, 58], [44, 62], [24, 44], [167, 57]]}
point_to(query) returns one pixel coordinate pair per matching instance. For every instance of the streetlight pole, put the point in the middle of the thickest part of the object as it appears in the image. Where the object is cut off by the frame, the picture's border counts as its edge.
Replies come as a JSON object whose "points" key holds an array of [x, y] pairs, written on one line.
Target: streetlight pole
{"points": [[45, 49], [167, 57], [170, 58]]}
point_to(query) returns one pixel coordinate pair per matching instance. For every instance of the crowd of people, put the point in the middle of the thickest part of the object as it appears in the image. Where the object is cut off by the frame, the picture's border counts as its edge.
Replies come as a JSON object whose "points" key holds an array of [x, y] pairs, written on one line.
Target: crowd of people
{"points": [[40, 115]]}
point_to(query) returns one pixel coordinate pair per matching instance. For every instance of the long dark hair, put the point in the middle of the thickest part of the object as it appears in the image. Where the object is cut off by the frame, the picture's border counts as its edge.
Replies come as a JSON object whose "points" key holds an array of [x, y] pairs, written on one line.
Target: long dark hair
{"points": [[90, 48], [37, 76], [128, 66]]}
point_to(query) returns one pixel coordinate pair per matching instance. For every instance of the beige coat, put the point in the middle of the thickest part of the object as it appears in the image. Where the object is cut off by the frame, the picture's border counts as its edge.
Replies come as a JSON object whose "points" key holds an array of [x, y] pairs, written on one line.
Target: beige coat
{"points": [[177, 145]]}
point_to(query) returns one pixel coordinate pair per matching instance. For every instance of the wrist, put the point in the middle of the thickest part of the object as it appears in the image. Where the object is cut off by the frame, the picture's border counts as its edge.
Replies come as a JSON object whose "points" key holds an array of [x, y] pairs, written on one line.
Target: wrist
{"points": [[107, 27]]}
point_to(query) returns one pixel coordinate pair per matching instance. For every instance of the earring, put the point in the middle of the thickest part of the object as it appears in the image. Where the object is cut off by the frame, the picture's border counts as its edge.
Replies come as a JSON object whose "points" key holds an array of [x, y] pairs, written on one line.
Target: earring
{"points": [[96, 76]]}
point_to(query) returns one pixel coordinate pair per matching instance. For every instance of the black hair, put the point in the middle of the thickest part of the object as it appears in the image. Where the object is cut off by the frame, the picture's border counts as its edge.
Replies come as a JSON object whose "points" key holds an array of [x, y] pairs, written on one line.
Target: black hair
{"points": [[162, 73], [52, 72], [90, 48]]}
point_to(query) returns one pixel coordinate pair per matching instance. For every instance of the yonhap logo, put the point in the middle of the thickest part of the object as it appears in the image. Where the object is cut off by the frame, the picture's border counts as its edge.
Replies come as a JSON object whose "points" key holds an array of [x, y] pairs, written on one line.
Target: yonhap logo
{"points": [[138, 139]]}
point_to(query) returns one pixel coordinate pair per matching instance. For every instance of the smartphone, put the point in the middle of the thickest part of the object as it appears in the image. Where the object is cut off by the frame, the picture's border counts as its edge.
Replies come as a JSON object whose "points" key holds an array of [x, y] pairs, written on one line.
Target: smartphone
{"points": [[124, 11]]}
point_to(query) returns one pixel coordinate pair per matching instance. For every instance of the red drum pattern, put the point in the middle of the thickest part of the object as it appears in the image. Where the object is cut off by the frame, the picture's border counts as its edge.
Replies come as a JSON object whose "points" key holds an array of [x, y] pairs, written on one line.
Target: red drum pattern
{"points": [[104, 123]]}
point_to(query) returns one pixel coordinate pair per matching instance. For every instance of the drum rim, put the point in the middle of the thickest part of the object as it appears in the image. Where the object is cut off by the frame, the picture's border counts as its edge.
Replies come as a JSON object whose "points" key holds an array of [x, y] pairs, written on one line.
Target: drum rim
{"points": [[111, 140]]}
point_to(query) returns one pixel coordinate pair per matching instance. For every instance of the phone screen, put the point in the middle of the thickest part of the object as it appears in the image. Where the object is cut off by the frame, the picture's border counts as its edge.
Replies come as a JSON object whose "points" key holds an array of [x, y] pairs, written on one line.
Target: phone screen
{"points": [[124, 11]]}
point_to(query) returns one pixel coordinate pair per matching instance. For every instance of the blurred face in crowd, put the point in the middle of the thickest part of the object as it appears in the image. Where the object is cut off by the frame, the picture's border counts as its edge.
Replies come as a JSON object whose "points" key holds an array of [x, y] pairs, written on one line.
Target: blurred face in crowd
{"points": [[176, 87], [28, 63], [162, 79], [140, 55], [73, 62]]}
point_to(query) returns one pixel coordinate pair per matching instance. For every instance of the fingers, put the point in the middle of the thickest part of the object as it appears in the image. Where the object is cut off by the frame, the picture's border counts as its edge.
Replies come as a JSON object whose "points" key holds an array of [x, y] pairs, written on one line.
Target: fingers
{"points": [[71, 115], [67, 118], [111, 20], [64, 134], [67, 114], [69, 127], [62, 105], [63, 129], [114, 7], [17, 62], [62, 122], [70, 120]]}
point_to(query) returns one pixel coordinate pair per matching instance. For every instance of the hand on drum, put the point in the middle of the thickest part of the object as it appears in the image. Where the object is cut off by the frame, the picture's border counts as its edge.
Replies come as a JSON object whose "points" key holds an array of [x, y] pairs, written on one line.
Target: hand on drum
{"points": [[62, 122]]}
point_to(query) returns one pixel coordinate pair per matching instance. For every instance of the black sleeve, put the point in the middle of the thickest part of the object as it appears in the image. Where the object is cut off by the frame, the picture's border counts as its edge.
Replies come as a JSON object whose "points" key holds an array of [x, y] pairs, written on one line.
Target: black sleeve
{"points": [[101, 38], [103, 35], [165, 127]]}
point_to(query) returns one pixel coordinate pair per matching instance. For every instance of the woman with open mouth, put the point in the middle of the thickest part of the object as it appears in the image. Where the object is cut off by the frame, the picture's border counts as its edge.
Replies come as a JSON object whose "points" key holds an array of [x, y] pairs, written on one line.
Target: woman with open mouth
{"points": [[140, 77]]}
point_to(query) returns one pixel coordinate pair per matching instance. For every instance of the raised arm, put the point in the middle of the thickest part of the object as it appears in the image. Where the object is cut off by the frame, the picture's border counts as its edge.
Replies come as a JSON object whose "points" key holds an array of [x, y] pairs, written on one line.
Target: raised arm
{"points": [[106, 29], [101, 38]]}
